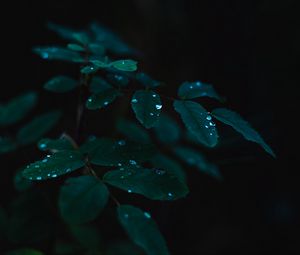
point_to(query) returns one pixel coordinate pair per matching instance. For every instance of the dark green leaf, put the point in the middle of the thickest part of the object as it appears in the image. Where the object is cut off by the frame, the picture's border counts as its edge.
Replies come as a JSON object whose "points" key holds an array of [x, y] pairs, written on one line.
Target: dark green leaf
{"points": [[81, 199], [17, 108], [171, 166], [157, 184], [198, 121], [39, 126], [102, 99], [52, 166], [24, 252], [100, 64], [167, 130], [126, 65], [7, 144], [190, 90], [58, 53], [147, 81], [89, 69], [123, 248], [147, 106], [142, 230], [97, 49], [21, 183], [75, 47], [55, 145], [61, 84], [197, 159], [118, 79], [234, 120], [98, 85], [133, 131], [107, 152]]}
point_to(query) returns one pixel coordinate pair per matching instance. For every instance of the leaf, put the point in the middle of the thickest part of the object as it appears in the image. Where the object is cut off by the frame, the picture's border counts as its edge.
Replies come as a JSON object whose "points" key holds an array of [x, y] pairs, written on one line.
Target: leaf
{"points": [[97, 49], [21, 183], [198, 121], [52, 166], [126, 65], [100, 64], [190, 90], [7, 144], [55, 145], [61, 84], [234, 120], [147, 81], [81, 199], [133, 131], [167, 130], [90, 69], [24, 252], [98, 85], [142, 230], [197, 159], [156, 184], [107, 152], [102, 99], [39, 126], [17, 108], [58, 53], [171, 166], [146, 105], [123, 248], [75, 47], [118, 79]]}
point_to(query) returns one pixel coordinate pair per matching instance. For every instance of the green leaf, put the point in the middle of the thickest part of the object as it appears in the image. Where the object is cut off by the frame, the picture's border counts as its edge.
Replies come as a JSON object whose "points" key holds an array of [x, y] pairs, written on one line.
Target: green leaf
{"points": [[58, 53], [75, 47], [156, 184], [126, 65], [102, 99], [61, 84], [171, 166], [198, 121], [190, 90], [100, 64], [167, 130], [146, 105], [133, 131], [97, 49], [55, 145], [39, 126], [7, 144], [99, 85], [17, 108], [123, 248], [81, 199], [52, 166], [24, 252], [234, 120], [107, 152], [147, 81], [21, 183], [90, 69], [118, 79], [142, 230], [198, 160]]}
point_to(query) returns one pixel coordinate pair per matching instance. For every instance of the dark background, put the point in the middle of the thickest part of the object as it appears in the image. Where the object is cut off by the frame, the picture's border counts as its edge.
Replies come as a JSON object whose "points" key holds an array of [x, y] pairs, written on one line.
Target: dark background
{"points": [[248, 49]]}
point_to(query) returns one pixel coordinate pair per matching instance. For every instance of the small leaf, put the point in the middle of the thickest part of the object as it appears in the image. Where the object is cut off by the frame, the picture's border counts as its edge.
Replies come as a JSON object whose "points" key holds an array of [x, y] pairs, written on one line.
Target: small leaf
{"points": [[156, 184], [52, 166], [100, 64], [195, 158], [7, 144], [75, 47], [17, 108], [118, 79], [102, 99], [147, 106], [39, 126], [61, 84], [98, 85], [21, 183], [81, 199], [24, 252], [107, 152], [126, 65], [58, 53], [190, 90], [234, 120], [89, 69], [97, 49], [142, 230], [147, 81], [198, 121], [133, 131], [55, 145], [167, 130]]}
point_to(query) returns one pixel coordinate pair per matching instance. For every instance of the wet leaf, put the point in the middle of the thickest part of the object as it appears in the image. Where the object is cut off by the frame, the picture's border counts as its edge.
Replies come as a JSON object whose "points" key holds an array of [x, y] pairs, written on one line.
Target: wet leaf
{"points": [[126, 65], [61, 84], [21, 183], [98, 85], [167, 130], [75, 47], [55, 145], [102, 99]]}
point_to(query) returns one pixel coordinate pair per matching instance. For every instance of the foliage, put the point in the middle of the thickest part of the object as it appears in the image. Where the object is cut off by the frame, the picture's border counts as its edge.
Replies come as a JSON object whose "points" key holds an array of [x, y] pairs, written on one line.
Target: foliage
{"points": [[146, 156]]}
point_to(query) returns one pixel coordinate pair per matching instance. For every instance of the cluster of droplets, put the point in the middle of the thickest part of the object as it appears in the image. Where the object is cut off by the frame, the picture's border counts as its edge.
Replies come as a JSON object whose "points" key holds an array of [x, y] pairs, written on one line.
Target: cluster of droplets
{"points": [[210, 124]]}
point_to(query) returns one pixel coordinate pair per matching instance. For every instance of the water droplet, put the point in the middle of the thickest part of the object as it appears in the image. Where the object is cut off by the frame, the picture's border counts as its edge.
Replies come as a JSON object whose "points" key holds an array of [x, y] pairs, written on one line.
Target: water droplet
{"points": [[154, 95], [210, 134], [36, 166], [170, 194], [132, 162], [119, 164], [30, 178], [121, 142], [160, 172], [91, 67], [206, 126], [129, 191], [54, 175], [158, 106], [134, 100], [45, 160], [118, 77], [48, 156], [191, 87], [121, 169], [105, 103], [68, 170], [151, 113], [71, 156], [45, 55], [43, 146], [122, 177], [212, 124], [126, 216], [48, 175], [208, 117], [90, 100], [198, 83], [39, 178], [147, 215]]}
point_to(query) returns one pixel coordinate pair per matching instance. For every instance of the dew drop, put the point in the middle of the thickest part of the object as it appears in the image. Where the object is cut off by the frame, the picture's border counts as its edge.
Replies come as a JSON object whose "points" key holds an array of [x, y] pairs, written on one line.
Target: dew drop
{"points": [[68, 170], [206, 126], [151, 113], [39, 178], [105, 103], [132, 162], [45, 160], [198, 83], [134, 100], [170, 194], [129, 191], [126, 216], [45, 55], [121, 142], [90, 100], [36, 166], [160, 172], [119, 164], [54, 175], [154, 95], [208, 117], [147, 215], [43, 146], [158, 106]]}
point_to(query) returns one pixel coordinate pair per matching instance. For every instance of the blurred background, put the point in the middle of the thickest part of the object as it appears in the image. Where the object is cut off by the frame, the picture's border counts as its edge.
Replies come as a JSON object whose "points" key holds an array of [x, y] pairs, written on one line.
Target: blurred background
{"points": [[249, 51]]}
